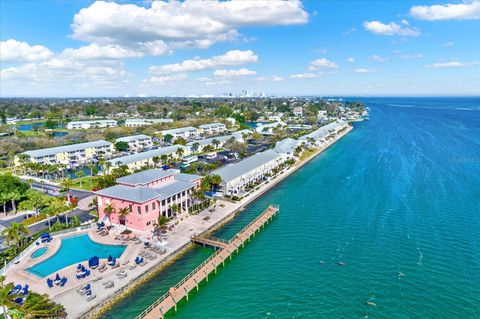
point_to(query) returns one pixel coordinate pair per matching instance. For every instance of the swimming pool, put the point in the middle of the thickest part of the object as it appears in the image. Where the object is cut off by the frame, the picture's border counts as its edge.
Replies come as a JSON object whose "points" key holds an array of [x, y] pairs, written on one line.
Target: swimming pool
{"points": [[75, 250], [39, 252]]}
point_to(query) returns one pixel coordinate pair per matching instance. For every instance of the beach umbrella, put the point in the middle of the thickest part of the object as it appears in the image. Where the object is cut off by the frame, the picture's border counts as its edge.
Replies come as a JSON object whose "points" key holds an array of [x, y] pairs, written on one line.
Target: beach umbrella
{"points": [[109, 257], [57, 277]]}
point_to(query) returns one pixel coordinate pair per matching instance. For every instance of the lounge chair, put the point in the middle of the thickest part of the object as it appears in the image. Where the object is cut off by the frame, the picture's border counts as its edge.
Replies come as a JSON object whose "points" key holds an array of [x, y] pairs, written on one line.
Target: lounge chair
{"points": [[132, 267], [102, 267], [63, 282], [50, 283], [110, 284], [126, 262], [91, 297], [107, 282]]}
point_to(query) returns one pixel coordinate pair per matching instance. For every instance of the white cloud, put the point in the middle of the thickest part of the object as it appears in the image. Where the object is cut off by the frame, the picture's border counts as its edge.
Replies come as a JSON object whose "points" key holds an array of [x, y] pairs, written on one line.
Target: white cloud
{"points": [[351, 30], [322, 63], [378, 58], [167, 79], [231, 58], [350, 60], [271, 78], [304, 76], [234, 73], [448, 44], [17, 51], [406, 56], [453, 64], [390, 29], [94, 51], [180, 24], [461, 11], [364, 70], [61, 72]]}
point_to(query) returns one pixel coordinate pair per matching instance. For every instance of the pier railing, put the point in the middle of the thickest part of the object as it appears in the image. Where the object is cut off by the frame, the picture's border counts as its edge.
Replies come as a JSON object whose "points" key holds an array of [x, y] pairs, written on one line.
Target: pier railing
{"points": [[222, 254], [179, 284]]}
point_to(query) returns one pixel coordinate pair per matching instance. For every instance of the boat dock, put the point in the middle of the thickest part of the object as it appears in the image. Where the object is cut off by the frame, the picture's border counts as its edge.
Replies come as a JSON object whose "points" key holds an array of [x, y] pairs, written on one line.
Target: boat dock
{"points": [[224, 251]]}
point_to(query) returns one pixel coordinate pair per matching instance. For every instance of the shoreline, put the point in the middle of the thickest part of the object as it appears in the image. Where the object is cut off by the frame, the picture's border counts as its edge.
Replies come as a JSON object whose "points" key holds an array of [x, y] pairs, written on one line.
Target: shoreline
{"points": [[96, 311]]}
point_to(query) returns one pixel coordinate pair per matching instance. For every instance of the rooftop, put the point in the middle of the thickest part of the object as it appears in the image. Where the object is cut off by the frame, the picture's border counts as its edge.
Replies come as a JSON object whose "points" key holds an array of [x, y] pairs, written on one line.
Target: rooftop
{"points": [[233, 171], [180, 130], [145, 155], [146, 177], [133, 138], [211, 125], [287, 145], [66, 148]]}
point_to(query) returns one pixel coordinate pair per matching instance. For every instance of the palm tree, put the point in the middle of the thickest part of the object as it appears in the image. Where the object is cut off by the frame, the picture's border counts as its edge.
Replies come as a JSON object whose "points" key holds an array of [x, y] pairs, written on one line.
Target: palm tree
{"points": [[156, 160], [180, 152], [215, 143], [108, 165], [123, 213], [6, 299], [108, 210], [92, 167], [35, 200], [66, 184], [80, 174], [175, 208], [195, 147], [164, 158], [39, 306], [14, 233], [4, 198], [14, 196]]}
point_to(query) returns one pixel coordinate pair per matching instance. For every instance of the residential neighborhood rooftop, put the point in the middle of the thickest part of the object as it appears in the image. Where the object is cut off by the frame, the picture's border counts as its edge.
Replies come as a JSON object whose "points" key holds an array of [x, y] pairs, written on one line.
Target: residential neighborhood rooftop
{"points": [[66, 148], [233, 171]]}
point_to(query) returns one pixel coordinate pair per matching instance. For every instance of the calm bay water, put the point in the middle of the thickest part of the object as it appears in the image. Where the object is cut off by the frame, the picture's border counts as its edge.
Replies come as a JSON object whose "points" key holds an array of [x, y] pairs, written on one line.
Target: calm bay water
{"points": [[397, 200]]}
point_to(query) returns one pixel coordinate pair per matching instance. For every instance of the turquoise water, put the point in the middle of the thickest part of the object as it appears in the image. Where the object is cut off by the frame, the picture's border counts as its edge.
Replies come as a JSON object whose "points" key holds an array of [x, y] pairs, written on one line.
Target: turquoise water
{"points": [[396, 200], [39, 252], [75, 250]]}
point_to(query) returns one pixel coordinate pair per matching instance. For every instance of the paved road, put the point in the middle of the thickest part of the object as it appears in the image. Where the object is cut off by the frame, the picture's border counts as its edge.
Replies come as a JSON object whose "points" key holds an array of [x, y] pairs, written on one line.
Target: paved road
{"points": [[53, 190]]}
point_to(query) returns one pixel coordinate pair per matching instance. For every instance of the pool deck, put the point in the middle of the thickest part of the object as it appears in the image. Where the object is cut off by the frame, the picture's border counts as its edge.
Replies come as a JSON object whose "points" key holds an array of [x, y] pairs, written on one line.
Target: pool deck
{"points": [[173, 241]]}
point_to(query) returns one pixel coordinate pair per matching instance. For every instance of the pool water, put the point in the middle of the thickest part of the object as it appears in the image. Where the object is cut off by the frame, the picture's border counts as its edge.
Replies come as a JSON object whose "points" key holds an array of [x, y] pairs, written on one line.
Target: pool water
{"points": [[75, 250], [39, 252]]}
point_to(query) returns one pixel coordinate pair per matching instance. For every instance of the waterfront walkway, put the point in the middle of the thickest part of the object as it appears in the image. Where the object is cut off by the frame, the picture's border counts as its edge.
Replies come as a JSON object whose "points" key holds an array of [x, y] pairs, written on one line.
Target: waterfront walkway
{"points": [[225, 250]]}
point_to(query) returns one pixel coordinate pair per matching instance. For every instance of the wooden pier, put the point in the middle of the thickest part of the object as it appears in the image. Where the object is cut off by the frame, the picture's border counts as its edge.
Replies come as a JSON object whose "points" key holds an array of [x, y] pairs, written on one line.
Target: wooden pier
{"points": [[224, 251]]}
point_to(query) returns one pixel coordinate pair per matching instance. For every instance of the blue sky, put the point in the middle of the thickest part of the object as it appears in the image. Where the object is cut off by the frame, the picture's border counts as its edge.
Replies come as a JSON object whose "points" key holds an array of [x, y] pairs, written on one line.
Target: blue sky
{"points": [[145, 48]]}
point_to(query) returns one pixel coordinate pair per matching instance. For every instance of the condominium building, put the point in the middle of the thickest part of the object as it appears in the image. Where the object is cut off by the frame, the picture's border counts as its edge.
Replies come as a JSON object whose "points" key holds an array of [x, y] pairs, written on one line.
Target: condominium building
{"points": [[199, 145], [256, 168], [269, 127], [69, 154], [146, 196], [287, 147], [188, 133], [77, 125], [320, 135], [143, 122], [146, 159], [136, 142], [212, 128]]}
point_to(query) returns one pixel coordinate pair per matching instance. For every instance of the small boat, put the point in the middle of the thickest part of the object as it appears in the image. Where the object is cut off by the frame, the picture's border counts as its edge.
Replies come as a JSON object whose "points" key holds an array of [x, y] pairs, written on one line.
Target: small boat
{"points": [[341, 263], [371, 304]]}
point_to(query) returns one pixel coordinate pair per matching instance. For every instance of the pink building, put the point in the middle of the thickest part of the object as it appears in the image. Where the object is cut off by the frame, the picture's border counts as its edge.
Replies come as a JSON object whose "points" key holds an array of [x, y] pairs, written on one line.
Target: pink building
{"points": [[147, 195]]}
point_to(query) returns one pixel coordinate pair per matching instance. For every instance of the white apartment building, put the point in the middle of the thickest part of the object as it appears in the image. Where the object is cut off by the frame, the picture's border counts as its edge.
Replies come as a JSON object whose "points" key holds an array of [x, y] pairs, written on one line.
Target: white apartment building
{"points": [[248, 171], [199, 145], [287, 147], [71, 155], [143, 159], [212, 128], [77, 125], [188, 133], [269, 127], [136, 142], [320, 135], [143, 122]]}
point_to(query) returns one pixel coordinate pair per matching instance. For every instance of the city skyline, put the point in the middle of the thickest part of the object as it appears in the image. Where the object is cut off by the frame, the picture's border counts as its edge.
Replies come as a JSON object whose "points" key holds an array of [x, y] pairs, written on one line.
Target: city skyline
{"points": [[156, 48]]}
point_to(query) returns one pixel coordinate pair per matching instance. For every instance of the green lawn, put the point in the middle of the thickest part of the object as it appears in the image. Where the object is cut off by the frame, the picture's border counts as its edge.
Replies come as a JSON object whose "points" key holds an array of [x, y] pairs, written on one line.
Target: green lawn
{"points": [[87, 183]]}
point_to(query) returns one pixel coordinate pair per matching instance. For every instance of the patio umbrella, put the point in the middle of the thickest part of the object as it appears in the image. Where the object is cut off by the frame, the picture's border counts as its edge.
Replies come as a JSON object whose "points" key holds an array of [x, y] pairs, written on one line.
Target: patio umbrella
{"points": [[110, 257]]}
